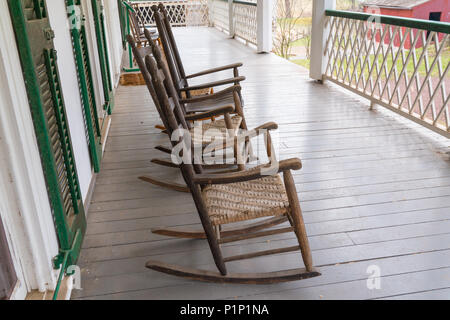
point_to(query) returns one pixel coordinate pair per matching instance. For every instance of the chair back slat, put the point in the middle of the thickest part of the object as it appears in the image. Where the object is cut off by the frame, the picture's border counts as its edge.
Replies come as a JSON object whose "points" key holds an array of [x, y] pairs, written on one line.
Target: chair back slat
{"points": [[136, 28], [174, 99], [166, 80], [171, 112], [176, 72], [162, 65], [139, 58], [188, 170], [172, 40]]}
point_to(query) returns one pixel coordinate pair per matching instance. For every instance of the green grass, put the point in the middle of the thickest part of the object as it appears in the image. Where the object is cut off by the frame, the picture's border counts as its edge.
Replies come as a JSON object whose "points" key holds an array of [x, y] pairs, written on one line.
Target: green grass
{"points": [[302, 62], [300, 43], [346, 4], [445, 58], [301, 22]]}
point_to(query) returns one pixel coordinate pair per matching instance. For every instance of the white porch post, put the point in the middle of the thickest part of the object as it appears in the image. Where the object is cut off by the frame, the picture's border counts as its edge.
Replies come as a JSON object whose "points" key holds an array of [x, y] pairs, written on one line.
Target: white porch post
{"points": [[230, 18], [264, 23], [211, 13], [319, 34]]}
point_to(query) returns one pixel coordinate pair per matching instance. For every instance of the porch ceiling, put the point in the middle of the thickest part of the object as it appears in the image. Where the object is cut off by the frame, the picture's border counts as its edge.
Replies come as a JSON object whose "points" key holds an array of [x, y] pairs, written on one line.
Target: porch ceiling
{"points": [[374, 191]]}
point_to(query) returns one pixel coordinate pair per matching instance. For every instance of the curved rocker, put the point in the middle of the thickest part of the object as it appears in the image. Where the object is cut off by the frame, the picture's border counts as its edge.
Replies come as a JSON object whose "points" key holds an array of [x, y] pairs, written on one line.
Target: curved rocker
{"points": [[237, 278], [160, 127], [200, 234], [165, 184], [165, 163], [182, 234], [164, 149]]}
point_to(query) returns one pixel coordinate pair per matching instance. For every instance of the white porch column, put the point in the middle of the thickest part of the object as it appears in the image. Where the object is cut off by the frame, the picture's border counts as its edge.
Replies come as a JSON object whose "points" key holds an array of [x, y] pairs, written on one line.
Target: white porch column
{"points": [[211, 13], [319, 34], [231, 18], [264, 23]]}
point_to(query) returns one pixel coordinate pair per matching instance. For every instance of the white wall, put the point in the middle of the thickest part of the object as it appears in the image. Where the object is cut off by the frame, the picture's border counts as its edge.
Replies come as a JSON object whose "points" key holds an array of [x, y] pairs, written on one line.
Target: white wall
{"points": [[67, 70], [24, 204], [93, 55], [114, 38], [114, 45]]}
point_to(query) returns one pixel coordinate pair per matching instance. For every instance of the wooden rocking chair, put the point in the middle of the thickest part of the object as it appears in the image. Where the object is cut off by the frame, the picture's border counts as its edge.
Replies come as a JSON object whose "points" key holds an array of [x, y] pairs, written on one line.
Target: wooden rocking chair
{"points": [[177, 71], [228, 122], [226, 198], [137, 29]]}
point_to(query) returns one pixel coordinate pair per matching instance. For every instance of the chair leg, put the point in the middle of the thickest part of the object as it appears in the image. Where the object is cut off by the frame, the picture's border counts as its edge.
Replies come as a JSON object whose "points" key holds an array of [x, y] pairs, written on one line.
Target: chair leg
{"points": [[209, 231], [297, 219]]}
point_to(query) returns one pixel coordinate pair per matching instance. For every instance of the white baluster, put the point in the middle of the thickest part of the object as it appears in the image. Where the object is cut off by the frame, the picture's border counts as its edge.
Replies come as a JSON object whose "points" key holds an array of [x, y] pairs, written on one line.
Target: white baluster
{"points": [[231, 18]]}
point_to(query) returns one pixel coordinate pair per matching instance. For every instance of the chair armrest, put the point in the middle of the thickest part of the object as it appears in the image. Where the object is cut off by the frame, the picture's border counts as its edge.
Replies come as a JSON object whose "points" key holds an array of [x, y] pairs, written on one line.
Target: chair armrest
{"points": [[269, 126], [211, 113], [244, 136], [214, 84], [247, 175], [215, 70], [216, 95]]}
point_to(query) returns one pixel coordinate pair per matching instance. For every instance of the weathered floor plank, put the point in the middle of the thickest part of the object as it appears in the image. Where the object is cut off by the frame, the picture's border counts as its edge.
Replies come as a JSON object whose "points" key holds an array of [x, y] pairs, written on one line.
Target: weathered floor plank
{"points": [[375, 191]]}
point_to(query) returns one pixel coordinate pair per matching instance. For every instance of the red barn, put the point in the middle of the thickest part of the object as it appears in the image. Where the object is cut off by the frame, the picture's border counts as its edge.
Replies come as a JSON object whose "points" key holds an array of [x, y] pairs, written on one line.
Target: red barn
{"points": [[435, 10]]}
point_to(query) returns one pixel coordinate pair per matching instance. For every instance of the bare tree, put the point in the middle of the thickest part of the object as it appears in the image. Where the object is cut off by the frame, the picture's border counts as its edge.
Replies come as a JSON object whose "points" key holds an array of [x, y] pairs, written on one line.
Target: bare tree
{"points": [[348, 4], [287, 32], [307, 38]]}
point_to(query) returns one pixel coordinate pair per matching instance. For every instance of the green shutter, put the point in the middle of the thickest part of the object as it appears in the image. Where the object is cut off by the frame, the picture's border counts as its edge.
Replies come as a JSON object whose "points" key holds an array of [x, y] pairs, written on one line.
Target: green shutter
{"points": [[99, 21], [39, 63], [123, 22], [81, 53]]}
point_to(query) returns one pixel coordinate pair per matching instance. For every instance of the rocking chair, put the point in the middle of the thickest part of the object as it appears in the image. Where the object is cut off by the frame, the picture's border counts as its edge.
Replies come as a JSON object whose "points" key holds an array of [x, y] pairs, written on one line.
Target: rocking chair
{"points": [[137, 28], [229, 122], [234, 197], [177, 71]]}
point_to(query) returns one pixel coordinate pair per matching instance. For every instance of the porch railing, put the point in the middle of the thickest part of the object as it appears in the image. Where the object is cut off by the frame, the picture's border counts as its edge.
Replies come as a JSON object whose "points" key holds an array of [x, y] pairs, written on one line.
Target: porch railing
{"points": [[182, 13], [243, 21], [220, 15], [401, 64], [240, 19]]}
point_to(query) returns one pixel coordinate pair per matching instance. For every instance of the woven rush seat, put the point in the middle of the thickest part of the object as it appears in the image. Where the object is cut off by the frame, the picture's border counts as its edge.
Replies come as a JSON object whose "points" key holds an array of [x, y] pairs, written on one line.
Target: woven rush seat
{"points": [[223, 101], [242, 201], [207, 134], [198, 93]]}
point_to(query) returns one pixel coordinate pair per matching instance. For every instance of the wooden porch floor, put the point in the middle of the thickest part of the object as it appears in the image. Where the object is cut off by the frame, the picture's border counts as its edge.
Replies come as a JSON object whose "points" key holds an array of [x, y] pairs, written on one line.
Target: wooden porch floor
{"points": [[375, 192]]}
